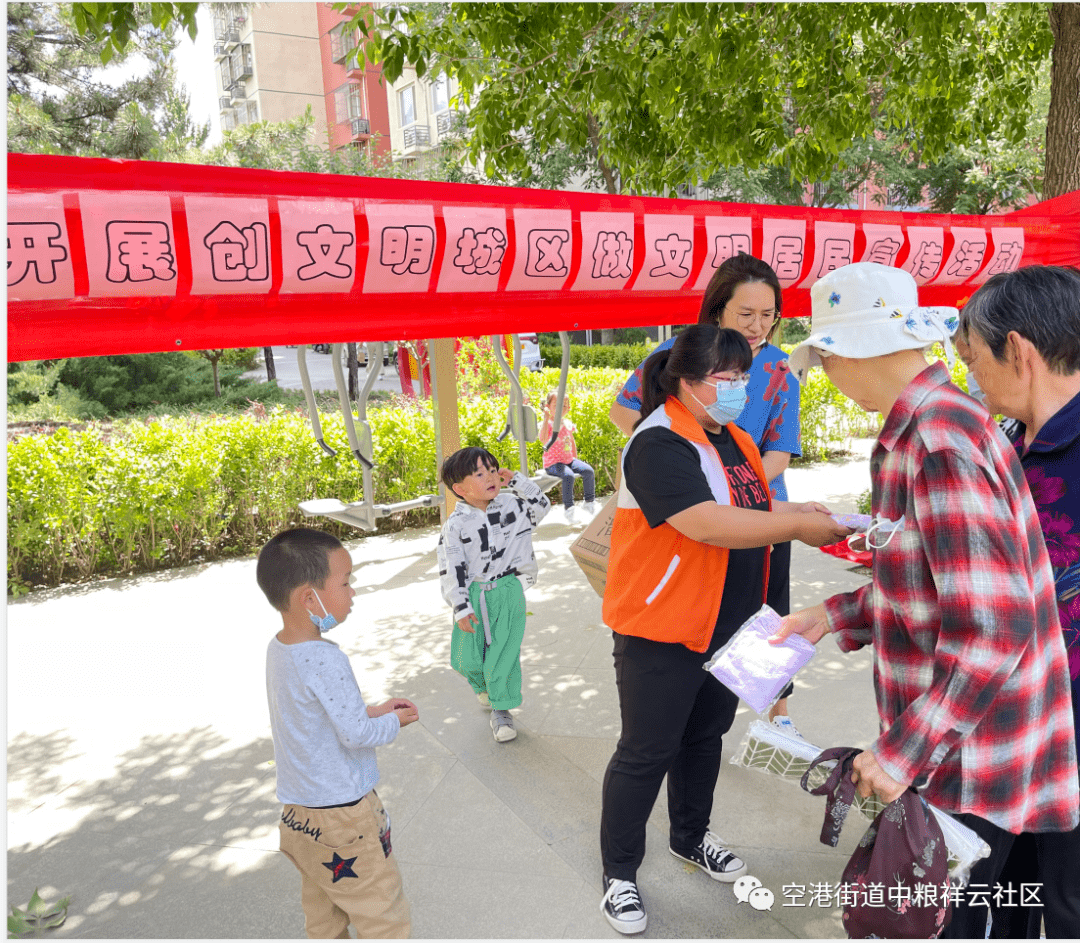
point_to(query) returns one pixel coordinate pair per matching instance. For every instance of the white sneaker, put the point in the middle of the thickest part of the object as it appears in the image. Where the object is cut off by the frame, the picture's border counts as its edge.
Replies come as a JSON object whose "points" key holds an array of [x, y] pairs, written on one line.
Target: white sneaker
{"points": [[502, 726], [783, 722], [569, 512], [590, 508]]}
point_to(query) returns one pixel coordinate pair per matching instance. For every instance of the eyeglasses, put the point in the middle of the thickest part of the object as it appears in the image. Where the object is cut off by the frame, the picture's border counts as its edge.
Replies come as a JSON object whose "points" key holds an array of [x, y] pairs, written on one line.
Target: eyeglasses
{"points": [[747, 317], [729, 382]]}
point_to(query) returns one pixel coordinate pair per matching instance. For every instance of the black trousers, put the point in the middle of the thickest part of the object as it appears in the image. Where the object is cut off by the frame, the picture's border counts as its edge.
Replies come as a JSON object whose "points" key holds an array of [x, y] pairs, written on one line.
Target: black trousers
{"points": [[778, 595], [674, 717], [1052, 858]]}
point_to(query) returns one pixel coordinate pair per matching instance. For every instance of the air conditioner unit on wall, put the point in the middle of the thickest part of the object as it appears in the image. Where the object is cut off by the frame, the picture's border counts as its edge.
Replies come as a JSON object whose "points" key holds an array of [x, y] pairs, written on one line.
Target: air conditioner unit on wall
{"points": [[417, 135], [360, 126]]}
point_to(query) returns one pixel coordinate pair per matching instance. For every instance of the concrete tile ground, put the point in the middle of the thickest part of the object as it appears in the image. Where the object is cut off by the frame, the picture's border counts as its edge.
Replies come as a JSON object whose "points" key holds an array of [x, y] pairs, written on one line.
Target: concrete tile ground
{"points": [[140, 776]]}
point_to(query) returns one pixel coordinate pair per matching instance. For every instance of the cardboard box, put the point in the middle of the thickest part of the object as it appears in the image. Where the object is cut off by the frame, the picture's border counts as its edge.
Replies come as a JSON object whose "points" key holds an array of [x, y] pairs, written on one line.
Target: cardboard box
{"points": [[590, 550]]}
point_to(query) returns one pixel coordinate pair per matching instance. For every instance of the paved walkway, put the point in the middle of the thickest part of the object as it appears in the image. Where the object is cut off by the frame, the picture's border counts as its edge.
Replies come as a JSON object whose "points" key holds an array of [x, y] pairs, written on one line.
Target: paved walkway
{"points": [[140, 776]]}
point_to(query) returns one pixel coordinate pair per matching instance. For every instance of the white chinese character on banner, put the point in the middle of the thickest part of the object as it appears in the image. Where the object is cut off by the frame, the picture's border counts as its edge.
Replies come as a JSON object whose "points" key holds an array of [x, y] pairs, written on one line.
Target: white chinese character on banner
{"points": [[238, 255], [324, 246], [31, 245], [611, 257], [672, 252], [408, 249], [138, 251]]}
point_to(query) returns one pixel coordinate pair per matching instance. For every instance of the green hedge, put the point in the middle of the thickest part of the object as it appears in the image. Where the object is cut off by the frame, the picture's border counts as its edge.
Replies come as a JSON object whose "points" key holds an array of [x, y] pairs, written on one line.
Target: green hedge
{"points": [[148, 494], [144, 495], [619, 356]]}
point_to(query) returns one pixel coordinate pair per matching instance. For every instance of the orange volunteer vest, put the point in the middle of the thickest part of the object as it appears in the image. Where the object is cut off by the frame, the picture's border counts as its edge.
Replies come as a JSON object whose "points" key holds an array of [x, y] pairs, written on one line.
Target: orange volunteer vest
{"points": [[661, 585]]}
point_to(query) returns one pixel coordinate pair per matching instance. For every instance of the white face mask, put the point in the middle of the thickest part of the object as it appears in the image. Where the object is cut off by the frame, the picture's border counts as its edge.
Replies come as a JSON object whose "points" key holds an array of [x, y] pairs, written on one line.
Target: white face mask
{"points": [[882, 525]]}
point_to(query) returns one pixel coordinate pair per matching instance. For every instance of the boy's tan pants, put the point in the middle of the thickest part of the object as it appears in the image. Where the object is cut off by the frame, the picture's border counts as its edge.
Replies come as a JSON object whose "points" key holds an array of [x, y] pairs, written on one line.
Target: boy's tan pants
{"points": [[348, 872]]}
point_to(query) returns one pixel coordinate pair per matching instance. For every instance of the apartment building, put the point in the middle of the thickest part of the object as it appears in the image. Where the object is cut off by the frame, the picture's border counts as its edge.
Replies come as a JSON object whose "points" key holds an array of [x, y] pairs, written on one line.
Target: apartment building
{"points": [[274, 60], [421, 116]]}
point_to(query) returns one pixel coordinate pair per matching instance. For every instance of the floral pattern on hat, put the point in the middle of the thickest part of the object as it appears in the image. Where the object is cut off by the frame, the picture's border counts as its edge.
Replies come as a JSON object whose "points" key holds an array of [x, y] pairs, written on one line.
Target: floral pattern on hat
{"points": [[834, 299]]}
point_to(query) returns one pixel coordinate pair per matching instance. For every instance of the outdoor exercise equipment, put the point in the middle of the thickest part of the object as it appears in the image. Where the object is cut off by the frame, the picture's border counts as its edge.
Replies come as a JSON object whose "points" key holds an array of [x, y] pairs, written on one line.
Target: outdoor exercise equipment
{"points": [[364, 513], [521, 416]]}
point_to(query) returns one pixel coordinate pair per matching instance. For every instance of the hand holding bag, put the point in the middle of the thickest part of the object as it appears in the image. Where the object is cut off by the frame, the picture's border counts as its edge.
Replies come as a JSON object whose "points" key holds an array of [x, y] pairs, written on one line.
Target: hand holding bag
{"points": [[903, 853]]}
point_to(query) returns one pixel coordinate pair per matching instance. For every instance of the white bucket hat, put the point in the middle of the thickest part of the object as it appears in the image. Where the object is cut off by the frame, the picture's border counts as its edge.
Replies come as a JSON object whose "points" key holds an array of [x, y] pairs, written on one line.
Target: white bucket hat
{"points": [[868, 310]]}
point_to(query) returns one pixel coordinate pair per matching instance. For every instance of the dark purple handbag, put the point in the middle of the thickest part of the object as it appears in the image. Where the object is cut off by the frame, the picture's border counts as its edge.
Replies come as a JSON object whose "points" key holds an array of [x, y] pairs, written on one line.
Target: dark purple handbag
{"points": [[895, 884]]}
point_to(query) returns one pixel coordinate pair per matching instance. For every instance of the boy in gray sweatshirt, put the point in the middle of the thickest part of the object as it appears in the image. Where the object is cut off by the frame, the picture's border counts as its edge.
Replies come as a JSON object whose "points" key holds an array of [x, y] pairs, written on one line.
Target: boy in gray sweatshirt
{"points": [[333, 826]]}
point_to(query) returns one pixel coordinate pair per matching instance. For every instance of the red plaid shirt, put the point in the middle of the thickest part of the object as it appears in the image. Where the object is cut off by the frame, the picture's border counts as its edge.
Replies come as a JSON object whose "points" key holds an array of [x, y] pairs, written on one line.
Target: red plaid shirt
{"points": [[970, 669]]}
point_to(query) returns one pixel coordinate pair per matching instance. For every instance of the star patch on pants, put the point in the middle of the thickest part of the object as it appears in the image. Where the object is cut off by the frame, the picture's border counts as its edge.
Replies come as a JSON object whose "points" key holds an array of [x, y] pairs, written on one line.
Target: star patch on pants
{"points": [[340, 867]]}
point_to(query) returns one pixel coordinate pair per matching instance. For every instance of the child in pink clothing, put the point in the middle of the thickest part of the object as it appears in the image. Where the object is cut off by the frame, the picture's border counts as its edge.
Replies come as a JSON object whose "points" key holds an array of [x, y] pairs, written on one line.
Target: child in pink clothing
{"points": [[561, 459]]}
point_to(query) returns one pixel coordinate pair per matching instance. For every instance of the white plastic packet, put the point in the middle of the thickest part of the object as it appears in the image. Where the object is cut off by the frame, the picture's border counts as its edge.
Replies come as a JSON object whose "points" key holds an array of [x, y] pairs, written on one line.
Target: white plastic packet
{"points": [[771, 750], [857, 522], [755, 669]]}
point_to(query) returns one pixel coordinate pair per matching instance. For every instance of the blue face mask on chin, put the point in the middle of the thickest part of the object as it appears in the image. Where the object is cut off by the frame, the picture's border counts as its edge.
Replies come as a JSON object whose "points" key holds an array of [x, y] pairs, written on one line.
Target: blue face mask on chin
{"points": [[728, 405], [327, 622]]}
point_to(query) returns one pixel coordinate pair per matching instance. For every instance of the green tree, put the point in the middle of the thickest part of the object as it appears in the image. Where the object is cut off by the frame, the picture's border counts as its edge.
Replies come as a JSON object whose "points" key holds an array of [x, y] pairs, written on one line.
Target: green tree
{"points": [[667, 93], [59, 101], [670, 93]]}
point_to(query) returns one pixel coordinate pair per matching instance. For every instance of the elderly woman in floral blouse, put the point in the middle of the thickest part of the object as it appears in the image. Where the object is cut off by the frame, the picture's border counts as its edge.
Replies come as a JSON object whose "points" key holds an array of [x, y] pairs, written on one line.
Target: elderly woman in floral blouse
{"points": [[1023, 332]]}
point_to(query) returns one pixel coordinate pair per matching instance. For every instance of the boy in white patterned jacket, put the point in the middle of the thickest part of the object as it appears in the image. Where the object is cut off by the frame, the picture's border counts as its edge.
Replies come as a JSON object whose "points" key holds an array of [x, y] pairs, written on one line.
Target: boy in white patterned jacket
{"points": [[486, 562]]}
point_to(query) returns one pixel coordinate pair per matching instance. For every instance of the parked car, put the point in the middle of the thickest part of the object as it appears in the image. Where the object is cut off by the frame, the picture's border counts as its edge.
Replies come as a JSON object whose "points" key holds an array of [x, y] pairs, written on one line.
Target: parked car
{"points": [[389, 352], [530, 352]]}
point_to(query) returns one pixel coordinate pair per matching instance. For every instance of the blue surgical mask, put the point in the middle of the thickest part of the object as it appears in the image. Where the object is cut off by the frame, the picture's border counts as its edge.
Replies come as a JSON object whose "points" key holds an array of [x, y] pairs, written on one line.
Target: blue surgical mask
{"points": [[729, 403], [327, 622]]}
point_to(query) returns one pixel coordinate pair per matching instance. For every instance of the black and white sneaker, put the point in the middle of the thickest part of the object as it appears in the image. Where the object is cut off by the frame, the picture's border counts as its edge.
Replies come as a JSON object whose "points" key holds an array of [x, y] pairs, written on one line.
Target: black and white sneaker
{"points": [[714, 859], [622, 906]]}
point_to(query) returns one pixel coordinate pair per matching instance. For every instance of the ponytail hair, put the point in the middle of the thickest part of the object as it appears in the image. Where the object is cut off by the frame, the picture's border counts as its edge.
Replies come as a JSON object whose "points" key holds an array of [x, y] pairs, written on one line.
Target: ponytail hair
{"points": [[699, 350]]}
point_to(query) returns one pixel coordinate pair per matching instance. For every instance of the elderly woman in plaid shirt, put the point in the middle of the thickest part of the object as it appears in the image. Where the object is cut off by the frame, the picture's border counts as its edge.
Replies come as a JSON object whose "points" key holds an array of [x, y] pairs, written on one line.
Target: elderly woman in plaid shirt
{"points": [[1023, 333], [970, 668]]}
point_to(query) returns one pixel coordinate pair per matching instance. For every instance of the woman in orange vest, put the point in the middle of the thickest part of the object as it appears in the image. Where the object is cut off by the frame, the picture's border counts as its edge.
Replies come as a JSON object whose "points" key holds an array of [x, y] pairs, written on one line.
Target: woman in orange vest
{"points": [[688, 565]]}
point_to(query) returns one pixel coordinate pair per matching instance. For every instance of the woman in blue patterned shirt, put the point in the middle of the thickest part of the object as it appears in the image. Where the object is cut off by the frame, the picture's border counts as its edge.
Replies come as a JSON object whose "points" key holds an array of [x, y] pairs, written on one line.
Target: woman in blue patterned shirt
{"points": [[1023, 332], [744, 294]]}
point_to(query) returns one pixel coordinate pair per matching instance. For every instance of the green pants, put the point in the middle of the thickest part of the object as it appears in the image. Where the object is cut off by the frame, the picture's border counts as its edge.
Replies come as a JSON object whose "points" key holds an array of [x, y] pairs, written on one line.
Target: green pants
{"points": [[495, 668]]}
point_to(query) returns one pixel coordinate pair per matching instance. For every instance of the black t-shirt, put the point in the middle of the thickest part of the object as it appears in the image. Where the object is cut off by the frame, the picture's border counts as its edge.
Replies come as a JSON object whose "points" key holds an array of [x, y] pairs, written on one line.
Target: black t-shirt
{"points": [[663, 472]]}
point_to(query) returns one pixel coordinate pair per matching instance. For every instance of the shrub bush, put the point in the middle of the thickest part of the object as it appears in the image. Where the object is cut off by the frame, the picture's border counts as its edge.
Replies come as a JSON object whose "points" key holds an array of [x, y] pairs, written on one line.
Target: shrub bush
{"points": [[35, 393], [131, 382], [141, 495], [621, 356], [144, 494]]}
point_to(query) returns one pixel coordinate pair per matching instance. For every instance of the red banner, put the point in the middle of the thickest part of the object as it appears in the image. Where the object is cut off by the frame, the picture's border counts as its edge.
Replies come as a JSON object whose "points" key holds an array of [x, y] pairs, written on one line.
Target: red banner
{"points": [[108, 256]]}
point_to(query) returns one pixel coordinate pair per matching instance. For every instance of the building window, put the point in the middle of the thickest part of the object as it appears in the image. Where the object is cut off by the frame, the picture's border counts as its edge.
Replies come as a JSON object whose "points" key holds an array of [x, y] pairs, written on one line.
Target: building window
{"points": [[225, 67], [348, 102], [342, 42], [228, 19], [241, 62], [252, 112], [440, 94], [407, 104]]}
